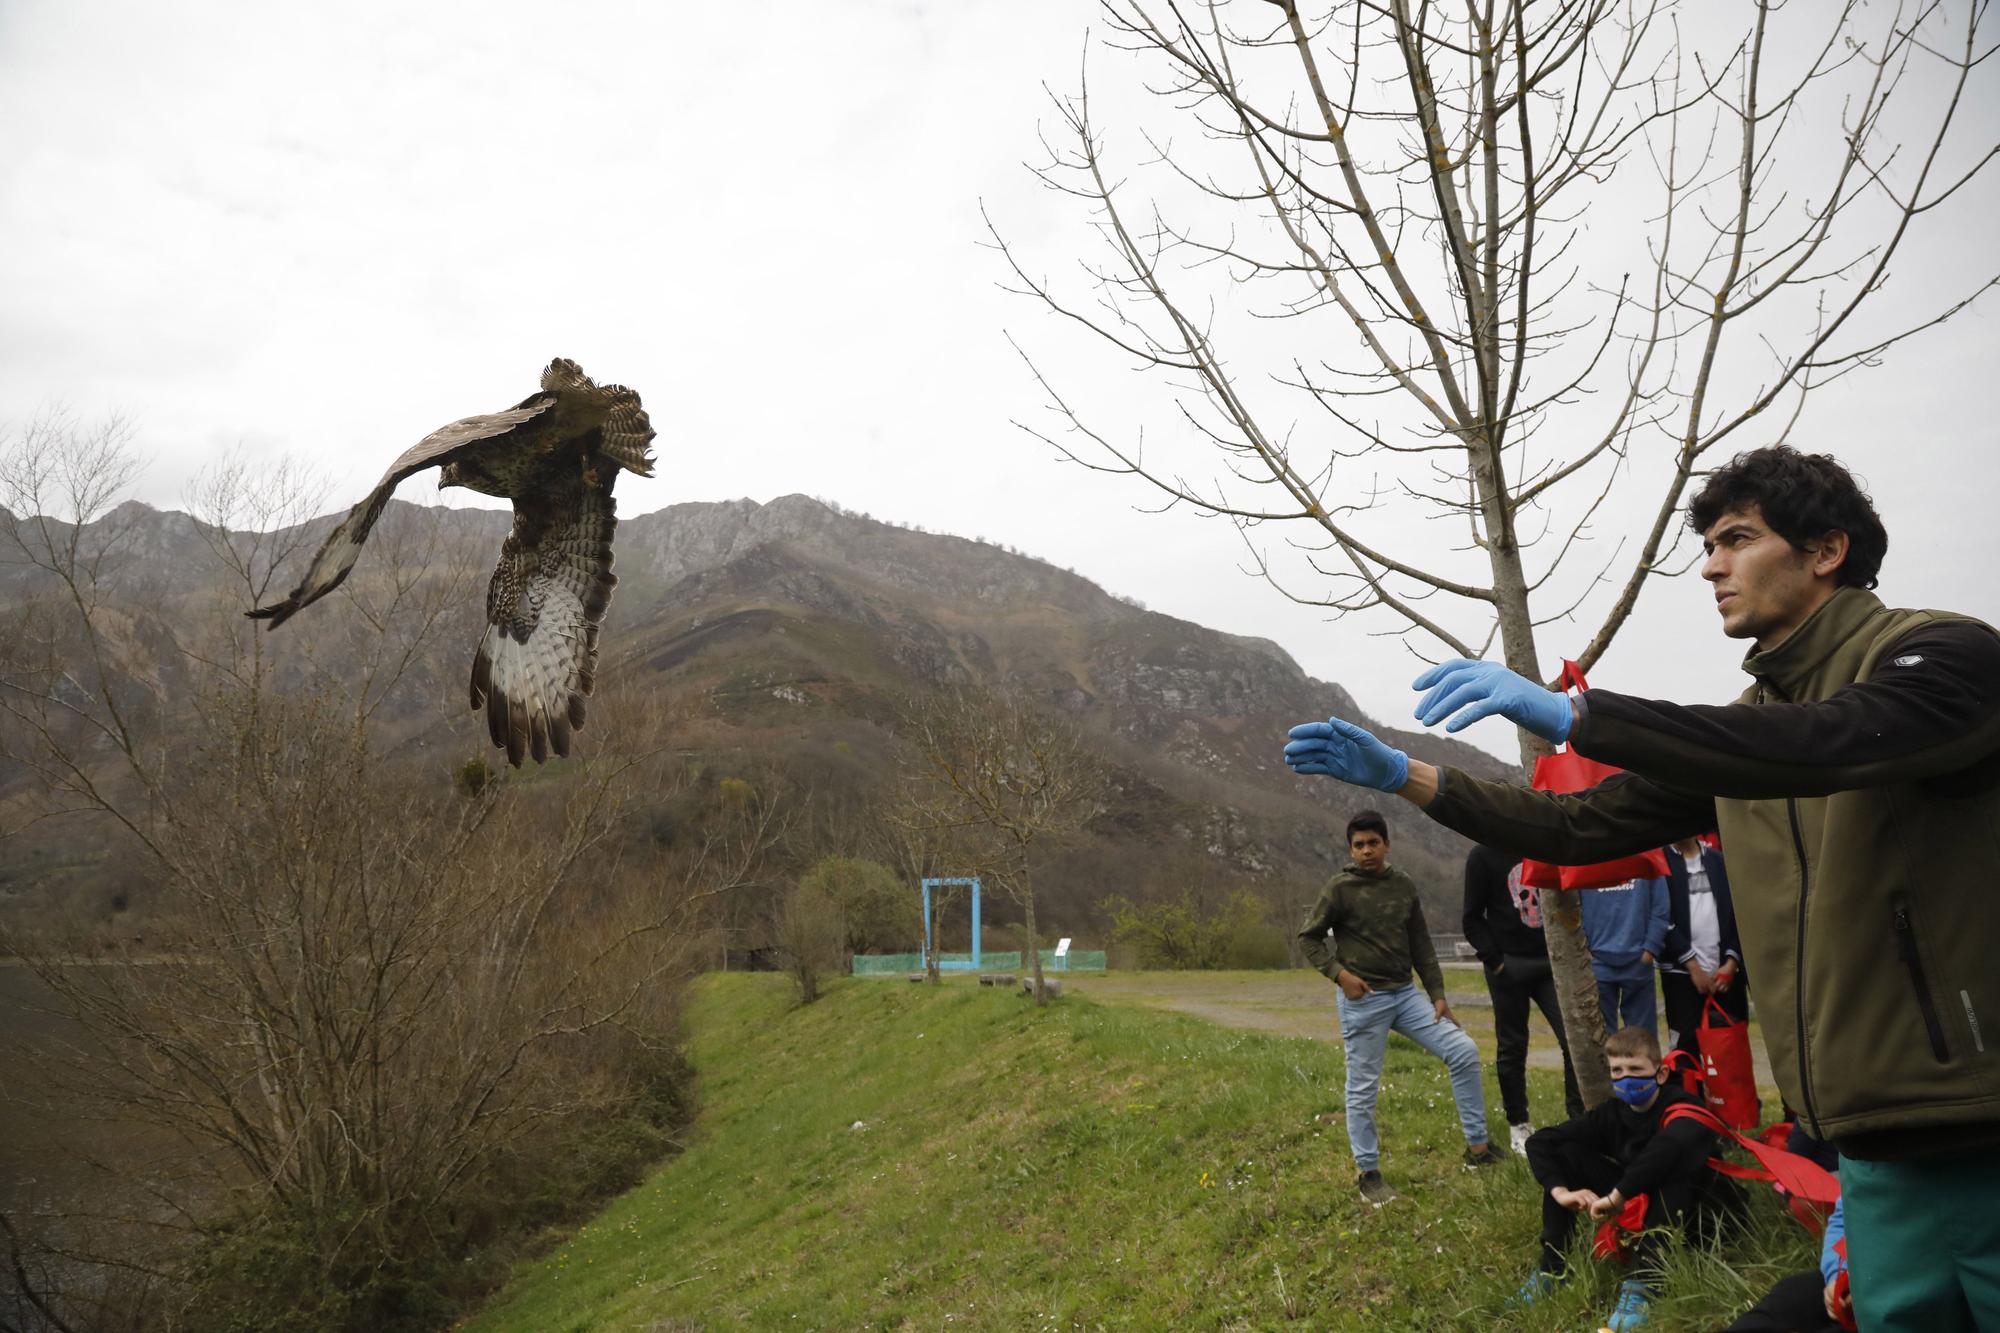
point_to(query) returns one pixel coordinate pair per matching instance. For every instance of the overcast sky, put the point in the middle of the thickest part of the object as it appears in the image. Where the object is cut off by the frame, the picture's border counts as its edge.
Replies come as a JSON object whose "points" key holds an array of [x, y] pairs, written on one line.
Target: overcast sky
{"points": [[325, 230]]}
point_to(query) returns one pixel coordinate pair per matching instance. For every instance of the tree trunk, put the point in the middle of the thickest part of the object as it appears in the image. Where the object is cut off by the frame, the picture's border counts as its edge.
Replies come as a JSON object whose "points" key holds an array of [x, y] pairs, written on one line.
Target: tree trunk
{"points": [[1034, 959], [1562, 910], [1576, 992]]}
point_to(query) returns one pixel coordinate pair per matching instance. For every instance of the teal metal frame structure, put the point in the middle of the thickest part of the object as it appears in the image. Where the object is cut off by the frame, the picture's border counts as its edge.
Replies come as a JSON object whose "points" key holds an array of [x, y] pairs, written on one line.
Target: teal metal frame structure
{"points": [[929, 948]]}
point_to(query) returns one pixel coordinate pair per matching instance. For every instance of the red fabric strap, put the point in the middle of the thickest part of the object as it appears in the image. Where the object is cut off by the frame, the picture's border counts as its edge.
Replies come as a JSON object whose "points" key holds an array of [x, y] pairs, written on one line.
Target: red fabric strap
{"points": [[1630, 1217], [1799, 1177]]}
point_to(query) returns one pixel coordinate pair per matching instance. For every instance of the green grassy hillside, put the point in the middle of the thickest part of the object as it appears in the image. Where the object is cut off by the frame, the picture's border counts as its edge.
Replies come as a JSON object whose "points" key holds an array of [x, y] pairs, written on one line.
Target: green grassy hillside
{"points": [[897, 1157]]}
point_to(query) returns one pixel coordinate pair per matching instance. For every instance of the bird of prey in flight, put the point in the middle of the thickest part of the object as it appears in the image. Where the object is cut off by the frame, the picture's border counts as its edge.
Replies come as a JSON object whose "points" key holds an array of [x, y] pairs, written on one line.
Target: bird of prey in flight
{"points": [[555, 455]]}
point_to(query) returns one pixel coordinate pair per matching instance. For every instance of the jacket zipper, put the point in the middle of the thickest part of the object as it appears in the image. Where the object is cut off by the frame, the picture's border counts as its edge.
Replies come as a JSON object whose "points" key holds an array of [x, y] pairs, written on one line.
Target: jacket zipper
{"points": [[1799, 978], [1906, 949]]}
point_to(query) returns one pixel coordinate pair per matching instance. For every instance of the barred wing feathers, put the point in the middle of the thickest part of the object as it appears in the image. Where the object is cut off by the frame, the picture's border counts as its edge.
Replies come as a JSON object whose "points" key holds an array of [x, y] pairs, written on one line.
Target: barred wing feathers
{"points": [[342, 547], [537, 662]]}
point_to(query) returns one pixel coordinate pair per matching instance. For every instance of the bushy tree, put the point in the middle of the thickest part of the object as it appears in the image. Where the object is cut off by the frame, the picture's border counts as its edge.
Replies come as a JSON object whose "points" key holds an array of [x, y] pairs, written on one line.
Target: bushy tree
{"points": [[810, 933], [879, 912], [1189, 930]]}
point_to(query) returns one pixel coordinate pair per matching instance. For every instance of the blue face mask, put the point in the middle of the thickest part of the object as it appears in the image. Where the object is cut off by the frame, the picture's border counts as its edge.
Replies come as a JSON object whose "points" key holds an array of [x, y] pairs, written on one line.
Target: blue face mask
{"points": [[1633, 1091]]}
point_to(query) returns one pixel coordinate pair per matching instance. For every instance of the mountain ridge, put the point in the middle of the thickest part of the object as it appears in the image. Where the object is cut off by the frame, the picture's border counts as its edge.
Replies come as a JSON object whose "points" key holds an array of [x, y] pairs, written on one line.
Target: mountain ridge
{"points": [[797, 618]]}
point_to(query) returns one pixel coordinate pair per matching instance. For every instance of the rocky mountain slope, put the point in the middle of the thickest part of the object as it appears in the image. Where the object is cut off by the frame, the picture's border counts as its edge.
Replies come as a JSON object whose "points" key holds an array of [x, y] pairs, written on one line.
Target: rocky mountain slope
{"points": [[793, 626]]}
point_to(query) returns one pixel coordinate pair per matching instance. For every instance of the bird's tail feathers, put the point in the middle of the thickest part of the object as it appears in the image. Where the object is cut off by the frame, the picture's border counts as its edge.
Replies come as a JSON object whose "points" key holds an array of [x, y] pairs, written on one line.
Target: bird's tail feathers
{"points": [[510, 684], [628, 432]]}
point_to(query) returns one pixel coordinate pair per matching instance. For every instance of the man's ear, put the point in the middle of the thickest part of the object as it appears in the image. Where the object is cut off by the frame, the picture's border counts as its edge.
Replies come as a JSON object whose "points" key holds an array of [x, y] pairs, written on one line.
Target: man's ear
{"points": [[1829, 553], [1664, 1074]]}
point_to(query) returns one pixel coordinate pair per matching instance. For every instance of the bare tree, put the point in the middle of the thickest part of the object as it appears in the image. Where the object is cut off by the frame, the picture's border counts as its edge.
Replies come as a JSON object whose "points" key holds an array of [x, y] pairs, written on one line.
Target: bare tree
{"points": [[1561, 245], [1004, 779]]}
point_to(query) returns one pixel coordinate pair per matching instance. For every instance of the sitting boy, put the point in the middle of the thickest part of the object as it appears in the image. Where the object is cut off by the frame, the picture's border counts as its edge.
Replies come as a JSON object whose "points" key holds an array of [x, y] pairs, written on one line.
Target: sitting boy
{"points": [[1596, 1162]]}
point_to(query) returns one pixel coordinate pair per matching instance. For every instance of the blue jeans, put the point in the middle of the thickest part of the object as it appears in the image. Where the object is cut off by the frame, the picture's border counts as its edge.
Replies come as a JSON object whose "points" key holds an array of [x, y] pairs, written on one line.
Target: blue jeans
{"points": [[1625, 991], [1364, 1029]]}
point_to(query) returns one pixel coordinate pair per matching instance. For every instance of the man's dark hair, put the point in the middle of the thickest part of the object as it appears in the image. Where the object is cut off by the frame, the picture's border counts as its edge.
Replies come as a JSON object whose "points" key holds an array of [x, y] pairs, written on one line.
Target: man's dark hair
{"points": [[1802, 497], [1368, 821]]}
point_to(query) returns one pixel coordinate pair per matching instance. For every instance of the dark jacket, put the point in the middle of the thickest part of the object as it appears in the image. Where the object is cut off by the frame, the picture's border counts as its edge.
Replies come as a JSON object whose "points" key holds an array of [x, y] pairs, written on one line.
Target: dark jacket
{"points": [[1501, 916], [1372, 925], [1680, 942], [1856, 784], [1643, 1149]]}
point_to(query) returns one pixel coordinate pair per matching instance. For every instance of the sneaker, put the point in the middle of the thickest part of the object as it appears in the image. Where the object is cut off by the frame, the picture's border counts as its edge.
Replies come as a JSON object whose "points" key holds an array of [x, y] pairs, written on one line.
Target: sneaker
{"points": [[1517, 1137], [1633, 1300], [1490, 1155], [1375, 1189], [1539, 1284]]}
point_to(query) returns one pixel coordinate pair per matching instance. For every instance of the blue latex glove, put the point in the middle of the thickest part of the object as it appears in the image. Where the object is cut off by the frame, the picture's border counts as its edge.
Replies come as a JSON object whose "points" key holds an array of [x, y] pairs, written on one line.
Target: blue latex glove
{"points": [[1473, 690], [1342, 750]]}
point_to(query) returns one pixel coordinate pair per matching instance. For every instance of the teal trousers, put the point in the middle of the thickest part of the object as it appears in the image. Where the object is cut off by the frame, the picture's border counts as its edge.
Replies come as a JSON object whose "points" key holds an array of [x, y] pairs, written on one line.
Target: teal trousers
{"points": [[1923, 1243]]}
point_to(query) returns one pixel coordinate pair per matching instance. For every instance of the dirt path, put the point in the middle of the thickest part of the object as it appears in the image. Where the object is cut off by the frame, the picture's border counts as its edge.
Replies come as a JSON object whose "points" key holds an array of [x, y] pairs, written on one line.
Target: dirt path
{"points": [[1299, 1003]]}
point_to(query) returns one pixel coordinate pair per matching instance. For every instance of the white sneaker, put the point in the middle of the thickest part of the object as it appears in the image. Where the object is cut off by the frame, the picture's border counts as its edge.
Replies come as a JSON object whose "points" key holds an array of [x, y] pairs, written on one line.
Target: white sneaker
{"points": [[1517, 1136]]}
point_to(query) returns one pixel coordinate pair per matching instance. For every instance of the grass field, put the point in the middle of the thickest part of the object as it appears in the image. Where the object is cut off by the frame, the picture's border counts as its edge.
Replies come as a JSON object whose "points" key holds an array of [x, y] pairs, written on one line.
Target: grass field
{"points": [[897, 1157]]}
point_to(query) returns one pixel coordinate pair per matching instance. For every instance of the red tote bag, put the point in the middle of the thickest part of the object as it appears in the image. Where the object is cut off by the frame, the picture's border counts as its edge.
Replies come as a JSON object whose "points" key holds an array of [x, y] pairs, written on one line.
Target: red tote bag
{"points": [[1568, 771], [1728, 1076]]}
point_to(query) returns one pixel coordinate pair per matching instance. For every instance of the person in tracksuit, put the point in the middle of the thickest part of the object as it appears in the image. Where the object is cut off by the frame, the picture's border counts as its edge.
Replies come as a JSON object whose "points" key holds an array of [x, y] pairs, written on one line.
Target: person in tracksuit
{"points": [[1856, 785]]}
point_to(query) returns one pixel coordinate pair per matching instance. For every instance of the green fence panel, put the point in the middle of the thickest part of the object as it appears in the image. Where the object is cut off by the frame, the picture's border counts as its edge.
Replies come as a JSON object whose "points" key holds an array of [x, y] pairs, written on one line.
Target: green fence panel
{"points": [[882, 964], [896, 964]]}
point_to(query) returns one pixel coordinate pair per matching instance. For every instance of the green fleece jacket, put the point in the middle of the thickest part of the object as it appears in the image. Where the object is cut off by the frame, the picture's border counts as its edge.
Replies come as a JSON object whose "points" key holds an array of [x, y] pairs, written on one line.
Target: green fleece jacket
{"points": [[1856, 786], [1372, 925]]}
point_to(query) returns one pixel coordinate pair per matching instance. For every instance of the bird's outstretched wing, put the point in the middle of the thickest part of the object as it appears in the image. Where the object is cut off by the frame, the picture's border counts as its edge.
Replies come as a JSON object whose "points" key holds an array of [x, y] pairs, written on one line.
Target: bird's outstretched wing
{"points": [[538, 660], [343, 545]]}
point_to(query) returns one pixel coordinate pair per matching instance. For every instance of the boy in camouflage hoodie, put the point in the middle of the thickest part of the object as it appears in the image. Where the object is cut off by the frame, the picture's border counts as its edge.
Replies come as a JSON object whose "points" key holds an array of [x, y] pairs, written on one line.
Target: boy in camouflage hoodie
{"points": [[1367, 935]]}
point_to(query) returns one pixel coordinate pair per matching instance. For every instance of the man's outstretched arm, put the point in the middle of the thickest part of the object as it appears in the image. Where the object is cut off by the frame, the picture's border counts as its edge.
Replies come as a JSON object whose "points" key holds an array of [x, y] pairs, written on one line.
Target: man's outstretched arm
{"points": [[1623, 815], [1931, 707]]}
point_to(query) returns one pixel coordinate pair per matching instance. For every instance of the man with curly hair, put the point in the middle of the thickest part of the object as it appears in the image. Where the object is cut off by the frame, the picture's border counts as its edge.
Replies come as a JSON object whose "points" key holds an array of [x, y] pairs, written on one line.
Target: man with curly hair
{"points": [[1856, 785]]}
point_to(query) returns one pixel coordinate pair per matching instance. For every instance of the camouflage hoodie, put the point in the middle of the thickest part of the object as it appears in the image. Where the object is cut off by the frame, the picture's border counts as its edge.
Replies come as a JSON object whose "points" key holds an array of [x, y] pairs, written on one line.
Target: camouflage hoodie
{"points": [[1372, 925]]}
